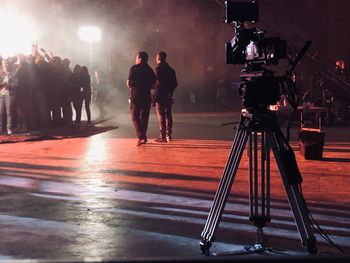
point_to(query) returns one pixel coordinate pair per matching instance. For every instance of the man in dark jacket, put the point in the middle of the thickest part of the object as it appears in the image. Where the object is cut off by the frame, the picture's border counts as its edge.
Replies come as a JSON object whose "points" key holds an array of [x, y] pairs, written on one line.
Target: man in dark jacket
{"points": [[163, 96], [140, 82]]}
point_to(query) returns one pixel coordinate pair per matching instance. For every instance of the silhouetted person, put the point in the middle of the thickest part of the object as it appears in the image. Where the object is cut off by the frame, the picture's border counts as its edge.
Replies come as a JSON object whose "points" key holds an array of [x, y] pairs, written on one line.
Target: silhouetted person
{"points": [[67, 94], [81, 90], [56, 90], [76, 93], [163, 96], [140, 82], [86, 84], [41, 79], [7, 97], [20, 83]]}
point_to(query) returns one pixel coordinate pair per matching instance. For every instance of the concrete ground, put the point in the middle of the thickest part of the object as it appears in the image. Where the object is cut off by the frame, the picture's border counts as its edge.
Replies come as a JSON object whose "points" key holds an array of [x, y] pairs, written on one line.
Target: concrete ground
{"points": [[91, 194]]}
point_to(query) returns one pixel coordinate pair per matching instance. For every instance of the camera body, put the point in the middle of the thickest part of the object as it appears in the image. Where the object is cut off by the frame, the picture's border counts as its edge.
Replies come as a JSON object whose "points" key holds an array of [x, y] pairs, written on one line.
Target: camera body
{"points": [[259, 88], [249, 44]]}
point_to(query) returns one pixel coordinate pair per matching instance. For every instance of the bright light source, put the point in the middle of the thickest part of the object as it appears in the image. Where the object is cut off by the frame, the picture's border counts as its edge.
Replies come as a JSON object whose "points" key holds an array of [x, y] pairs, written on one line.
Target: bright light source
{"points": [[90, 33], [18, 33]]}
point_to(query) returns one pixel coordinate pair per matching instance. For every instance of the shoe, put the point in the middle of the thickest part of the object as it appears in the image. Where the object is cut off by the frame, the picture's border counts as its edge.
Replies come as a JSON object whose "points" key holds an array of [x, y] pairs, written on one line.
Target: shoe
{"points": [[168, 138], [160, 139], [9, 131], [141, 141]]}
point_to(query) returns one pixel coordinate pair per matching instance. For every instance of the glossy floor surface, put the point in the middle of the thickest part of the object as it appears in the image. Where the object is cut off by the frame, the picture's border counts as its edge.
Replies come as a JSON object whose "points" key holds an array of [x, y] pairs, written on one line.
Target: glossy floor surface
{"points": [[89, 193]]}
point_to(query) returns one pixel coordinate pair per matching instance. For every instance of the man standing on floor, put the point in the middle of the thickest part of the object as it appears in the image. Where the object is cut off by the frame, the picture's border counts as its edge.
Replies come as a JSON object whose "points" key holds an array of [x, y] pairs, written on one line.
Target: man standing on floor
{"points": [[163, 96], [140, 82]]}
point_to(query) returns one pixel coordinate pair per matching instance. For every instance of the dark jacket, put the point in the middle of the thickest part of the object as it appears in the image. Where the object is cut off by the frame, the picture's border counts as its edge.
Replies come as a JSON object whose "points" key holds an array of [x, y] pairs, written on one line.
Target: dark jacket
{"points": [[86, 84], [142, 79], [18, 79], [166, 82], [15, 81], [76, 85]]}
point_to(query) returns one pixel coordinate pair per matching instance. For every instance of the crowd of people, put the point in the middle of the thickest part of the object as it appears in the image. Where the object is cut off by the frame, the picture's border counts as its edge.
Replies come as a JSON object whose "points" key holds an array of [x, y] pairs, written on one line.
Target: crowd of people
{"points": [[40, 91]]}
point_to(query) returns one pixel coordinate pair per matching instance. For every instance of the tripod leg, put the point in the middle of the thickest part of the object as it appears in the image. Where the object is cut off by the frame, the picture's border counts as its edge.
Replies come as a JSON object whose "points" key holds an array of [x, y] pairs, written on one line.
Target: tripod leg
{"points": [[291, 178], [224, 188], [259, 179]]}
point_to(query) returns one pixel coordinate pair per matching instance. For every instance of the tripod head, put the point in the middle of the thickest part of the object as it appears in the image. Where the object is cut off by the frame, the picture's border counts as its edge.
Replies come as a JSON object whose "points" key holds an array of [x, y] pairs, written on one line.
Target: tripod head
{"points": [[259, 88]]}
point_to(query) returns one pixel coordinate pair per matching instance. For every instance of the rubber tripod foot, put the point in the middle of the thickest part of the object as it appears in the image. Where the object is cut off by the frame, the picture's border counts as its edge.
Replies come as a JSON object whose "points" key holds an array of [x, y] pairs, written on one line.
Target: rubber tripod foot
{"points": [[204, 245]]}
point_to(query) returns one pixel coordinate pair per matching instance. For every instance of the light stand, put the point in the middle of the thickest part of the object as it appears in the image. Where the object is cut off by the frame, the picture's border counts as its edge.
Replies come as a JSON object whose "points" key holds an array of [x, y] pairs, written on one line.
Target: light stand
{"points": [[90, 34]]}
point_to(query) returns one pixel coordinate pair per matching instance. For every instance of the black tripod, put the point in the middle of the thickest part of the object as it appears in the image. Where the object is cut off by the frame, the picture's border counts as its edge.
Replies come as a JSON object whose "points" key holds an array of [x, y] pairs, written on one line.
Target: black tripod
{"points": [[261, 127]]}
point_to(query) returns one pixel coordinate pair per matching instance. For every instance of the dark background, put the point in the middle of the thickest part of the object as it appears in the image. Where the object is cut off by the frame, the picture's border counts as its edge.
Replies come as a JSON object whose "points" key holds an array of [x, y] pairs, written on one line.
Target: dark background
{"points": [[190, 31]]}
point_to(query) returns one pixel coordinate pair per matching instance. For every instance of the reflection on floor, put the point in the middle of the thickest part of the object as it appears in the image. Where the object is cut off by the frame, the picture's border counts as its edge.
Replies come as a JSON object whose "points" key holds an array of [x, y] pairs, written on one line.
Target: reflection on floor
{"points": [[103, 197]]}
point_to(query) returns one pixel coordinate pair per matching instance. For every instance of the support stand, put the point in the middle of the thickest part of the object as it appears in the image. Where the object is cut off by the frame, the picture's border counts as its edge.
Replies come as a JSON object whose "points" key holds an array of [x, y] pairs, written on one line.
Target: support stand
{"points": [[261, 127]]}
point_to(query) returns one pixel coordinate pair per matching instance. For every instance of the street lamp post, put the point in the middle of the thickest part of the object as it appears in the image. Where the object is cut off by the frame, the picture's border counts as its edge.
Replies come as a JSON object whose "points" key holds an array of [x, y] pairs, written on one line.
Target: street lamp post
{"points": [[90, 34]]}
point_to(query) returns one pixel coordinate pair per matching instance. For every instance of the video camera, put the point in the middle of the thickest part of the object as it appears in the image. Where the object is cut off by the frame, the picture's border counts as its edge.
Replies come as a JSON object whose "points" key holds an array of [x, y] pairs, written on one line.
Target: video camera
{"points": [[259, 87], [249, 44]]}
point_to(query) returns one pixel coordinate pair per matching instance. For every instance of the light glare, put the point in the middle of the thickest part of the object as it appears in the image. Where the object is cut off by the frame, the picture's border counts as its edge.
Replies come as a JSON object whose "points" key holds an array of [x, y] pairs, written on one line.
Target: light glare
{"points": [[90, 33], [19, 33]]}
